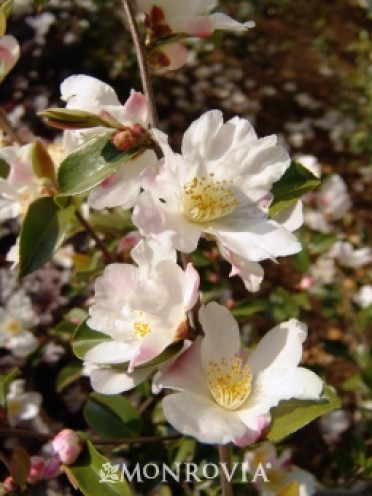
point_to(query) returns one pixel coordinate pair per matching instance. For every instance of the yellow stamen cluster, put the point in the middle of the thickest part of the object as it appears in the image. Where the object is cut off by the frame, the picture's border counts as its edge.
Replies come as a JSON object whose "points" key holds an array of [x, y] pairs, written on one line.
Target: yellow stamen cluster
{"points": [[229, 382], [205, 199], [12, 326], [141, 329]]}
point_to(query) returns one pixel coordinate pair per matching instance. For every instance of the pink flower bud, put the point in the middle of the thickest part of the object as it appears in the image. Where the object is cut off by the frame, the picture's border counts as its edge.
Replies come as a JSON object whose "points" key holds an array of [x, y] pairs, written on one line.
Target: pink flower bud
{"points": [[67, 445], [36, 472], [52, 468], [306, 283], [9, 485]]}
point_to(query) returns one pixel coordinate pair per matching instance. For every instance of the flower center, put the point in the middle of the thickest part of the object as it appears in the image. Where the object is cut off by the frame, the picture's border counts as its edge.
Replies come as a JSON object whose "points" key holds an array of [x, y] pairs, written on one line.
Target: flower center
{"points": [[229, 382], [141, 328], [205, 199], [12, 326]]}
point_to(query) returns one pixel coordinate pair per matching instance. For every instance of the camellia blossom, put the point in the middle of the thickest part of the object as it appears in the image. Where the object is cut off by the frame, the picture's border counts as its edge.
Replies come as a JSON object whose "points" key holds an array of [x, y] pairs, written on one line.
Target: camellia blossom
{"points": [[89, 94], [363, 297], [22, 405], [9, 54], [219, 186], [333, 198], [21, 187], [346, 256], [225, 395], [15, 319], [143, 310], [280, 473], [67, 445], [165, 18]]}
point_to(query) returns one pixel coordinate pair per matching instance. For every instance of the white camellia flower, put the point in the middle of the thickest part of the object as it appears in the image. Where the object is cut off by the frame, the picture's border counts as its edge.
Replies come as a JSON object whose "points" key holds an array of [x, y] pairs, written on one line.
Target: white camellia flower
{"points": [[89, 94], [21, 187], [223, 394], [143, 310], [333, 198], [346, 256], [9, 54], [219, 186], [363, 297], [15, 319], [22, 405], [165, 18], [280, 473]]}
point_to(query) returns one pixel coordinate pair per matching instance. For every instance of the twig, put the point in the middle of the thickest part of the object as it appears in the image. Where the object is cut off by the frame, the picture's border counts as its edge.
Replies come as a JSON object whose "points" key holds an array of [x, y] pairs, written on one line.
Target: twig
{"points": [[107, 255], [224, 457], [142, 63]]}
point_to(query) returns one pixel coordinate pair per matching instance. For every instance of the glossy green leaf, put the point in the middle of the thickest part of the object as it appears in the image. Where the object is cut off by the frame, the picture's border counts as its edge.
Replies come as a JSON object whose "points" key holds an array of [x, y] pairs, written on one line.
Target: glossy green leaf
{"points": [[5, 380], [295, 182], [94, 475], [65, 118], [91, 164], [85, 338], [111, 417], [42, 232], [20, 466], [291, 415], [67, 375], [4, 169]]}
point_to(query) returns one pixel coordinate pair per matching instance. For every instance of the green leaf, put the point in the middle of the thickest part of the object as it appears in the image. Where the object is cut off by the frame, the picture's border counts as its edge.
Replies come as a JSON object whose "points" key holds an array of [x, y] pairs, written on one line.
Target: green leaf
{"points": [[4, 169], [88, 471], [295, 182], [6, 7], [247, 308], [67, 375], [85, 338], [111, 417], [320, 242], [5, 380], [42, 232], [91, 164], [2, 23], [291, 415], [20, 467], [64, 118]]}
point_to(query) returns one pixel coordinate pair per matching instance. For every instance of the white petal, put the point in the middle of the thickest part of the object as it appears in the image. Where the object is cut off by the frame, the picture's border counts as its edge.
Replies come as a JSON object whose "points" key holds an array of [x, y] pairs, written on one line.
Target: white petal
{"points": [[291, 218], [87, 93], [222, 21], [149, 252], [109, 381], [201, 418], [280, 348], [111, 352], [219, 327]]}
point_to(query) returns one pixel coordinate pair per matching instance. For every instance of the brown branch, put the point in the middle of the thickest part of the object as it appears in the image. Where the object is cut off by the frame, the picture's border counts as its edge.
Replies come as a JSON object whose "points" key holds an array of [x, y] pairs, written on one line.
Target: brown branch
{"points": [[107, 255], [142, 63], [224, 457]]}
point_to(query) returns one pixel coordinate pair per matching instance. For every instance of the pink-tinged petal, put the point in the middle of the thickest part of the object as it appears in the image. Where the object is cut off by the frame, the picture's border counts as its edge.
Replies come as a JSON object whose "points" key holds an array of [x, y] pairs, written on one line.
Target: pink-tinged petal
{"points": [[161, 181], [147, 253], [200, 27], [111, 352], [150, 347], [110, 381], [9, 54], [191, 287], [135, 108], [291, 218], [219, 327], [20, 174], [185, 373], [199, 417], [223, 21], [251, 273], [117, 281], [173, 56], [254, 430], [280, 349], [169, 227], [122, 188]]}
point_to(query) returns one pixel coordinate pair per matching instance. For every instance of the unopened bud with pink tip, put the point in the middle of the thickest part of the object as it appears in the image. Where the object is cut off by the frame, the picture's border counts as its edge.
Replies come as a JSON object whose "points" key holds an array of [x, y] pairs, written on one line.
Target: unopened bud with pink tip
{"points": [[36, 473], [9, 485], [67, 445]]}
